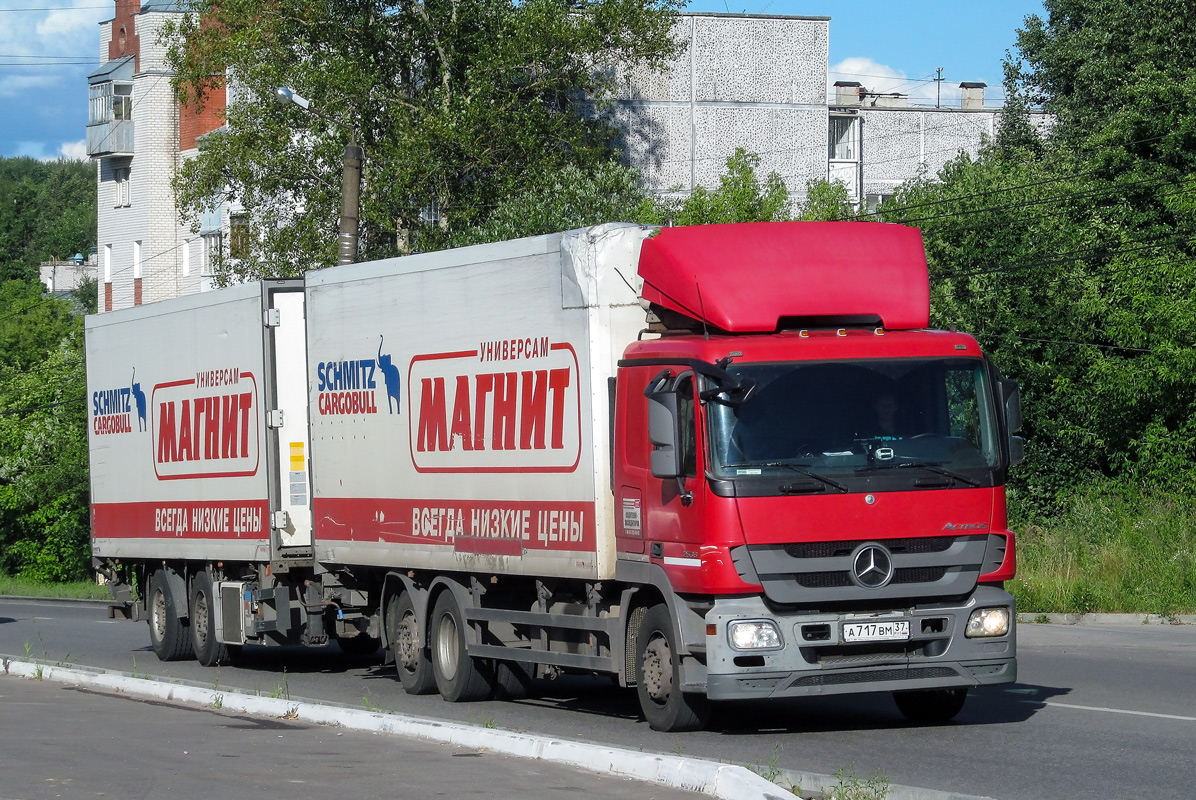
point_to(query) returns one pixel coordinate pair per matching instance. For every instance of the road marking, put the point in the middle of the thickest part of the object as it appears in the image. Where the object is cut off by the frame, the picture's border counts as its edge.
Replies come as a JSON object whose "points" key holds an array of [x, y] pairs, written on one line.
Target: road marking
{"points": [[1112, 710]]}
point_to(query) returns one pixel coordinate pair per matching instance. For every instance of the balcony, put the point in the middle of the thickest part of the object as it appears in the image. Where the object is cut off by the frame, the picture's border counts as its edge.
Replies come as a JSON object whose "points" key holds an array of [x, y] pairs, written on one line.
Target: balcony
{"points": [[110, 113], [113, 138]]}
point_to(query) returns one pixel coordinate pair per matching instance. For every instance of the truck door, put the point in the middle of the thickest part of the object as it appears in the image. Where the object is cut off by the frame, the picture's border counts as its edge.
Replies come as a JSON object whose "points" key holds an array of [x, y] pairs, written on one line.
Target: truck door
{"points": [[665, 513], [291, 538]]}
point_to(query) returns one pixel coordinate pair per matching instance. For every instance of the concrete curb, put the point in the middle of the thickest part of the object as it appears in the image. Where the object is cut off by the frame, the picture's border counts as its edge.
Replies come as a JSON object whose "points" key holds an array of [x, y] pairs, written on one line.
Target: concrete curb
{"points": [[723, 781], [1126, 620]]}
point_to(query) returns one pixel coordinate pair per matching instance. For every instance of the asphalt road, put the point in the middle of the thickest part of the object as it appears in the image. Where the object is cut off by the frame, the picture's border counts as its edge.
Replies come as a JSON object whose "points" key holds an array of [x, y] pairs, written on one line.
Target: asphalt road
{"points": [[1099, 712], [61, 742]]}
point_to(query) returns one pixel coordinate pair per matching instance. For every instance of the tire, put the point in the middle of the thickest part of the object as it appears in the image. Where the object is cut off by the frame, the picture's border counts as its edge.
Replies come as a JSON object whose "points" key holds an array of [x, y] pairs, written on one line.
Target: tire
{"points": [[412, 661], [931, 706], [203, 609], [658, 674], [512, 680], [459, 677], [169, 635], [359, 645]]}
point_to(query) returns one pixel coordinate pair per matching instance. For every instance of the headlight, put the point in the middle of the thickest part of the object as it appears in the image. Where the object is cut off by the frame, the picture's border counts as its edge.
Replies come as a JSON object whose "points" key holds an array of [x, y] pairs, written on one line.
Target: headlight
{"points": [[754, 635], [988, 622]]}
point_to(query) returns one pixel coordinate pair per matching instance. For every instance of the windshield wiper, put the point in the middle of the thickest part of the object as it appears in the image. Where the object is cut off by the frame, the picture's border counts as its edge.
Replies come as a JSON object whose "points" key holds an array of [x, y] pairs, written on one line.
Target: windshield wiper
{"points": [[938, 470], [929, 467], [801, 468]]}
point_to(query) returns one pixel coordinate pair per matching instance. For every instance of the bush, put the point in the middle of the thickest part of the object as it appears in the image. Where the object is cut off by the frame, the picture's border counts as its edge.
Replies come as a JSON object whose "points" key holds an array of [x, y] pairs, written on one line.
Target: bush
{"points": [[1113, 549]]}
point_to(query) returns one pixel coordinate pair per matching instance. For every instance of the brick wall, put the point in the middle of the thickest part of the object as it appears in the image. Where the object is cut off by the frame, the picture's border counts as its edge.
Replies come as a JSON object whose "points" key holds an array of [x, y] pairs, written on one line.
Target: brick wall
{"points": [[194, 123]]}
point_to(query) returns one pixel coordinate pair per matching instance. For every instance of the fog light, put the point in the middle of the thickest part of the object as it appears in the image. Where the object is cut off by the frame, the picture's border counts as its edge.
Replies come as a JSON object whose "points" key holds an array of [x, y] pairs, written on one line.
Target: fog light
{"points": [[754, 635], [988, 622]]}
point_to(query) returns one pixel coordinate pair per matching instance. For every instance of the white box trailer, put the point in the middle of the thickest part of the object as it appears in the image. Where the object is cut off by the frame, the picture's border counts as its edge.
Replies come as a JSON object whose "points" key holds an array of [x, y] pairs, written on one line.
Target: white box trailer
{"points": [[470, 429]]}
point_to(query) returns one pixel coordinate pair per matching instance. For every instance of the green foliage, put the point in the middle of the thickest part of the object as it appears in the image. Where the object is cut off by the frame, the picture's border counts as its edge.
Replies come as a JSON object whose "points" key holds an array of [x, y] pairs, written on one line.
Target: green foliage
{"points": [[572, 198], [740, 197], [43, 442], [457, 105], [48, 212], [610, 192], [826, 201], [1070, 256], [1113, 548]]}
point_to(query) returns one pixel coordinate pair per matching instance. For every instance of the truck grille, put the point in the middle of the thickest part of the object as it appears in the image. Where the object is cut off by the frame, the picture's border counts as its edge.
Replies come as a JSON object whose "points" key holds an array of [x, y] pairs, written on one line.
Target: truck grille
{"points": [[897, 674], [820, 572]]}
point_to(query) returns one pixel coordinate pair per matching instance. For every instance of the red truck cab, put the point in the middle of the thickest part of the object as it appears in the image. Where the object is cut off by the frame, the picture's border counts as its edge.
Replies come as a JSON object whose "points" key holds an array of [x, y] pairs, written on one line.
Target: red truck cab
{"points": [[819, 477]]}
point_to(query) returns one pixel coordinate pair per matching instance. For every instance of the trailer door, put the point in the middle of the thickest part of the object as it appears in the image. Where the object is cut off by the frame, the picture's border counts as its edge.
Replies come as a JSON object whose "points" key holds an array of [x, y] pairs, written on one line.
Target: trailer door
{"points": [[291, 542]]}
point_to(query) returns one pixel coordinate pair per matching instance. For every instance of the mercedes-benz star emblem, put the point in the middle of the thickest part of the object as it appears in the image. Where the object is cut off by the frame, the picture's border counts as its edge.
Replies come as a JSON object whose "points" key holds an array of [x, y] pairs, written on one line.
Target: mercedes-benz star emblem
{"points": [[872, 566]]}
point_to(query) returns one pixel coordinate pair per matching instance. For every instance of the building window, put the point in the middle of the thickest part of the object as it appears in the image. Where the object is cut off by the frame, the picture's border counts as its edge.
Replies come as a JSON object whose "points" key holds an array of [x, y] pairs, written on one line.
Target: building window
{"points": [[238, 236], [120, 182], [843, 153], [844, 139], [110, 102], [212, 243]]}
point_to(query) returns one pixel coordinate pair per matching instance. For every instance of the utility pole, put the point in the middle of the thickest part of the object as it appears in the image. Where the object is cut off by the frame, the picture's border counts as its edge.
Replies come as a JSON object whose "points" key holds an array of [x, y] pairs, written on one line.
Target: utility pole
{"points": [[350, 181], [938, 88]]}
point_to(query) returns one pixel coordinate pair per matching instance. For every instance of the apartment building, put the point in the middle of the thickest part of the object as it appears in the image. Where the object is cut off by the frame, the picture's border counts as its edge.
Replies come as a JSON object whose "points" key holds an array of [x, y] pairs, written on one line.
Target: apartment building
{"points": [[758, 82]]}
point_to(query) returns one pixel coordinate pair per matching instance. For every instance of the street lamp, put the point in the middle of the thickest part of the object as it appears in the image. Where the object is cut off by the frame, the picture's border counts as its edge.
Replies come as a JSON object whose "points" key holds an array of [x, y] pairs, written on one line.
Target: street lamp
{"points": [[350, 181]]}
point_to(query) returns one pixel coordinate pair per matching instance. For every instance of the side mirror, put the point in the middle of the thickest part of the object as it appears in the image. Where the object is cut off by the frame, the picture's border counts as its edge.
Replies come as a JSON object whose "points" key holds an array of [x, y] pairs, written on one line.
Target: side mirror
{"points": [[665, 434], [1011, 399], [1017, 450]]}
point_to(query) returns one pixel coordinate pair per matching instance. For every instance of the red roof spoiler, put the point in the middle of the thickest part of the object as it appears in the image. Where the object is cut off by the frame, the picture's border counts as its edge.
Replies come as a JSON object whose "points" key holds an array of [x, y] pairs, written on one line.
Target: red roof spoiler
{"points": [[746, 277]]}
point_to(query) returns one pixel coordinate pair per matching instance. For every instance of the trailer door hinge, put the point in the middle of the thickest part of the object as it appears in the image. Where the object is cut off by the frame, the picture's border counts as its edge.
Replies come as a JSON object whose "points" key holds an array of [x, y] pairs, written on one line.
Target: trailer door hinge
{"points": [[280, 520], [274, 418], [271, 318]]}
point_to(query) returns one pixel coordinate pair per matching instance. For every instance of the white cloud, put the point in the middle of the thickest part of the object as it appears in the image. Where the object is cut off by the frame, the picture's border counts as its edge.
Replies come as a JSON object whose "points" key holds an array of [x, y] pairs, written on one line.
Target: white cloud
{"points": [[882, 79], [76, 151]]}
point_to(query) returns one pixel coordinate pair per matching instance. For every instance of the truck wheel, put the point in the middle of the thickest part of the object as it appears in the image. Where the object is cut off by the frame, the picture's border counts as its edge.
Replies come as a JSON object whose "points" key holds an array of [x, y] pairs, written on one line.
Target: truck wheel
{"points": [[458, 676], [402, 633], [512, 680], [203, 610], [931, 706], [168, 634], [658, 676]]}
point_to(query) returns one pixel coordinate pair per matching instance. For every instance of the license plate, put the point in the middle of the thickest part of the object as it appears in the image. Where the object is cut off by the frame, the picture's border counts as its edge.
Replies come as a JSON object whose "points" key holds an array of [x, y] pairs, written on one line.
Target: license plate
{"points": [[887, 631]]}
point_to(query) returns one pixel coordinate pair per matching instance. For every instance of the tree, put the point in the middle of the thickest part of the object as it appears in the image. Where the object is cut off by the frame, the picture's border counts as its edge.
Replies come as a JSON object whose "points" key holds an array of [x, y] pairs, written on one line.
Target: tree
{"points": [[826, 201], [48, 212], [573, 198], [740, 197], [1070, 254], [458, 105], [43, 437]]}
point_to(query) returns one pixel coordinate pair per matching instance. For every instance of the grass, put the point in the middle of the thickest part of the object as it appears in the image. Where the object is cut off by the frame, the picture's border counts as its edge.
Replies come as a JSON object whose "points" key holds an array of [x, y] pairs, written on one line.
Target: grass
{"points": [[1110, 551], [80, 590]]}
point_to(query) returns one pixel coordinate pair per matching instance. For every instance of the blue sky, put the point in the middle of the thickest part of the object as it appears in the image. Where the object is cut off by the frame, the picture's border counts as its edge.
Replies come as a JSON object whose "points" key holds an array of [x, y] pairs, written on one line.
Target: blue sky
{"points": [[47, 47]]}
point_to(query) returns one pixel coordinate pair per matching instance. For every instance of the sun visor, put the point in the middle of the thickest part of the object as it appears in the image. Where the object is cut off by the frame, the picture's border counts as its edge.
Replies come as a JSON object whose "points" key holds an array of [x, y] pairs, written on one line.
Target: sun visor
{"points": [[747, 277]]}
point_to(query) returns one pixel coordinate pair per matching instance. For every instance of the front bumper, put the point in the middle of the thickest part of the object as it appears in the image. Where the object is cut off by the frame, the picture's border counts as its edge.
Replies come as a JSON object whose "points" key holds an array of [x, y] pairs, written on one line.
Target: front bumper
{"points": [[813, 659]]}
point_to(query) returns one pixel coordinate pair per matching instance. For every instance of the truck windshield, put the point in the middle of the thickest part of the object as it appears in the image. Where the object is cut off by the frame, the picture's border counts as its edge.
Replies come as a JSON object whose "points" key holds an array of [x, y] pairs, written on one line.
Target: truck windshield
{"points": [[847, 417]]}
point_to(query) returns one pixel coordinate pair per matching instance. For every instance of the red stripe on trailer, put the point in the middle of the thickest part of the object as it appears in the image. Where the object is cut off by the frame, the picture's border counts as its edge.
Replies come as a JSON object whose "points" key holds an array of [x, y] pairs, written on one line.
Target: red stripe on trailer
{"points": [[493, 527], [182, 519]]}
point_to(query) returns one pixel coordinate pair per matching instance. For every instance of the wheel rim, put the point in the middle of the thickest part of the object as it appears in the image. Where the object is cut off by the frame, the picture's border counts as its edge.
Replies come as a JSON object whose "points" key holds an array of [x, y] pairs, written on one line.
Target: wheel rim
{"points": [[158, 617], [446, 646], [406, 642], [658, 670], [200, 622]]}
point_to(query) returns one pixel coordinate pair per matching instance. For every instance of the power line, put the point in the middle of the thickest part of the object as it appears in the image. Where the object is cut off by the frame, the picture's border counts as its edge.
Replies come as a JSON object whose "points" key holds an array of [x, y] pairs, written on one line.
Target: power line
{"points": [[29, 409]]}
